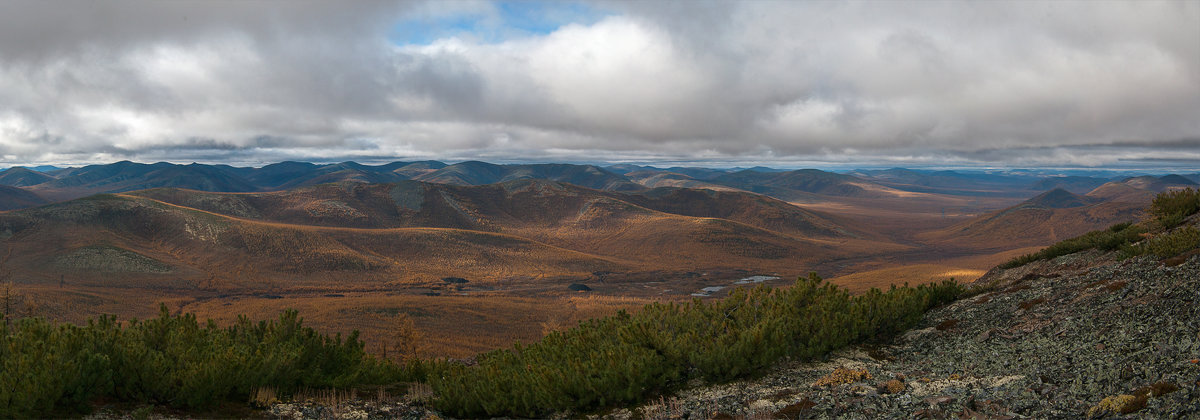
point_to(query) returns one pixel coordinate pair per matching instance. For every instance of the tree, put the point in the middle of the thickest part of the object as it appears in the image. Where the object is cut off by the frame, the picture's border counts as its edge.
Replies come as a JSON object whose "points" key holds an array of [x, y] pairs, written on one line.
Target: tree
{"points": [[406, 339]]}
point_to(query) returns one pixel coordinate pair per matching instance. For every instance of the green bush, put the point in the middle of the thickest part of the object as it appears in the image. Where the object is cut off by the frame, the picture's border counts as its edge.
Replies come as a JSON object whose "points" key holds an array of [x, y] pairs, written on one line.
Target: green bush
{"points": [[1166, 245], [628, 357], [1171, 208], [1111, 239], [48, 368]]}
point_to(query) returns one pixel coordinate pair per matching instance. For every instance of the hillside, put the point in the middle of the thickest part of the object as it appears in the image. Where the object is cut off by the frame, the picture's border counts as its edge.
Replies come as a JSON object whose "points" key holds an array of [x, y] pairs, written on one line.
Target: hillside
{"points": [[1049, 217], [803, 183], [412, 232], [656, 179], [22, 177], [1140, 189], [128, 176], [1081, 336], [149, 242], [1075, 184], [70, 183], [948, 182], [481, 173], [17, 198], [1059, 198]]}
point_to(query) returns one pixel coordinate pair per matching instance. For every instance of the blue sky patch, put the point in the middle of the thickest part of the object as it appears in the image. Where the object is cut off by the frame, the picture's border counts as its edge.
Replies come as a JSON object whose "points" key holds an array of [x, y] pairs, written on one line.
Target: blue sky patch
{"points": [[496, 22]]}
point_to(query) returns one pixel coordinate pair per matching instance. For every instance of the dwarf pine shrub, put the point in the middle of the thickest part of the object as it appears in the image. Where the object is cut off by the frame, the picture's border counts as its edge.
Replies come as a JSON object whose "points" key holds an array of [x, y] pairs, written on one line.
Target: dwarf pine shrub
{"points": [[50, 369], [1111, 239], [628, 357], [53, 369], [1171, 208], [1166, 245]]}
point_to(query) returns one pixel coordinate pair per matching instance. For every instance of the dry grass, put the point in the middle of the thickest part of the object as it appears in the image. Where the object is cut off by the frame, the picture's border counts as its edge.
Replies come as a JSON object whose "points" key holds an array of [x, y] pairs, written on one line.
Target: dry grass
{"points": [[662, 409], [263, 397], [843, 375], [326, 397], [418, 392]]}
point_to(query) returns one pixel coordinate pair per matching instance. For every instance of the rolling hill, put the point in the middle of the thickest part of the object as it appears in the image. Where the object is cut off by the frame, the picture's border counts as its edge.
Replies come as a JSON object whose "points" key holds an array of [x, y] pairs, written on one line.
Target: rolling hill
{"points": [[656, 179], [413, 231], [804, 183], [1049, 217], [70, 183], [1140, 189], [1075, 184], [12, 198], [482, 173], [23, 177], [949, 182], [508, 205]]}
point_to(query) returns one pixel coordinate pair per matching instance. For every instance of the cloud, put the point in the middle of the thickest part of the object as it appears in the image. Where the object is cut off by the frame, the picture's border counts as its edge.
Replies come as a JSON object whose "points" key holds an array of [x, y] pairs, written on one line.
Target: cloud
{"points": [[1061, 83]]}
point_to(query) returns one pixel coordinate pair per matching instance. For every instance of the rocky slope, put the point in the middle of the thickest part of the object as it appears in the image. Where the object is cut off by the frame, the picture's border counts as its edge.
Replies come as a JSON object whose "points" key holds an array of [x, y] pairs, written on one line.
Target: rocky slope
{"points": [[1080, 336]]}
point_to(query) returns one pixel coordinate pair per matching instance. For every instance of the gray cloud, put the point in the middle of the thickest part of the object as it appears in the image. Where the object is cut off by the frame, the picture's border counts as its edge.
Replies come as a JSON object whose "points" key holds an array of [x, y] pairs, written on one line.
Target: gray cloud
{"points": [[1057, 83]]}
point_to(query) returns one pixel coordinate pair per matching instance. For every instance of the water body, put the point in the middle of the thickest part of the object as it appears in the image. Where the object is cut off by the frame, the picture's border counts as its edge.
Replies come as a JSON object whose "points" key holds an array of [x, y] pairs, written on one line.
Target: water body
{"points": [[755, 279]]}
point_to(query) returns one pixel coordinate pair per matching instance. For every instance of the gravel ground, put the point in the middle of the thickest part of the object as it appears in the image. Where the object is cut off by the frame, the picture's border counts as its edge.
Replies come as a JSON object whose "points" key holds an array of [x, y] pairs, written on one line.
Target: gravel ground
{"points": [[1052, 339]]}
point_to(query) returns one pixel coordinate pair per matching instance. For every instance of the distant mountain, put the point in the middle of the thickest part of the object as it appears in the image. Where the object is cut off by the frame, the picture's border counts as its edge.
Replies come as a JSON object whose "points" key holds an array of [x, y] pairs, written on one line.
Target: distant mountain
{"points": [[481, 173], [70, 183], [1059, 198], [947, 182], [759, 169], [1161, 183], [1140, 189], [12, 198], [793, 184], [415, 169], [704, 174], [626, 168], [129, 176], [1047, 218], [752, 209], [23, 177], [1075, 184], [657, 179]]}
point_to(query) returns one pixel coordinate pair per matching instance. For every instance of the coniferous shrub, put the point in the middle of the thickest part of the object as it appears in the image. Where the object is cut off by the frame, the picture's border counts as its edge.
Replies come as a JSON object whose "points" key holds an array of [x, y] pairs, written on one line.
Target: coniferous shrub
{"points": [[1166, 245], [1171, 208], [628, 357], [48, 369], [1111, 239]]}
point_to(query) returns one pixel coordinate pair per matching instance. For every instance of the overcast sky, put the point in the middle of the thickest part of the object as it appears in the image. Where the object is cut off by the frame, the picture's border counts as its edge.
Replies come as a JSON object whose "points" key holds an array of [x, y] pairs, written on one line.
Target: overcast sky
{"points": [[925, 83]]}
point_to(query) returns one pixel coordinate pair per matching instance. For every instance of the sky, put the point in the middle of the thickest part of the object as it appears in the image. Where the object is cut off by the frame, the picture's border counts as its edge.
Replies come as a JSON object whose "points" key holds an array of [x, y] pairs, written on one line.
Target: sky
{"points": [[784, 84]]}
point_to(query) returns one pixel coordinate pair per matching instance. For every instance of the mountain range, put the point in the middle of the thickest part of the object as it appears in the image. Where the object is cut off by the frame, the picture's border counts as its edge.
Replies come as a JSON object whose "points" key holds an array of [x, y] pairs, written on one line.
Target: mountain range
{"points": [[360, 244], [58, 184]]}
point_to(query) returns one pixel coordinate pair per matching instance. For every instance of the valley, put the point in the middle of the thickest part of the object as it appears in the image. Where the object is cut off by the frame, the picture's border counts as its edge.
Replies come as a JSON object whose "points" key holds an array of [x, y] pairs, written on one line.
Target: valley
{"points": [[474, 256]]}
